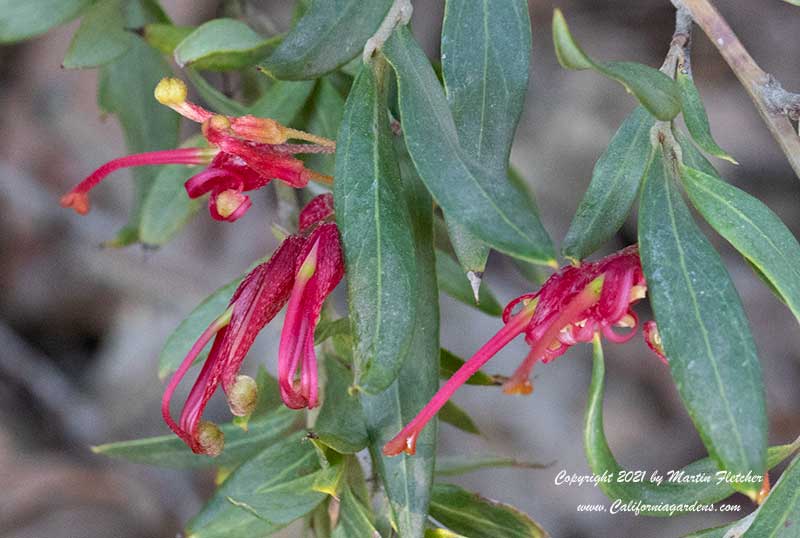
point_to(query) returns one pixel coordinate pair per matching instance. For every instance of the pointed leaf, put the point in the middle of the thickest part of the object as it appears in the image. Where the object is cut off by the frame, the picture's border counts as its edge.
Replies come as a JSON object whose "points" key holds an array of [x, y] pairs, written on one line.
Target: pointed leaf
{"points": [[223, 45], [478, 198], [29, 18], [355, 519], [613, 189], [454, 283], [752, 228], [450, 363], [694, 114], [169, 451], [472, 253], [330, 34], [457, 417], [706, 489], [703, 327], [779, 516], [100, 38], [165, 37], [470, 514], [658, 93], [275, 486], [326, 110], [458, 465], [374, 223], [407, 479]]}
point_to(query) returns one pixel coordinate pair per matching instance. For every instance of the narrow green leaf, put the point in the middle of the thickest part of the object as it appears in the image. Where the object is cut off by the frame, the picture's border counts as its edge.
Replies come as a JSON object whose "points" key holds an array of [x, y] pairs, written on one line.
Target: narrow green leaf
{"points": [[330, 328], [472, 253], [355, 518], [694, 114], [706, 489], [274, 487], [165, 37], [476, 197], [615, 183], [449, 363], [167, 207], [752, 228], [779, 516], [374, 223], [223, 45], [407, 479], [458, 465], [283, 101], [215, 99], [457, 417], [340, 424], [442, 533], [326, 110], [125, 89], [169, 451], [470, 514], [716, 532], [658, 93], [25, 19], [330, 34], [454, 283], [703, 327], [101, 37]]}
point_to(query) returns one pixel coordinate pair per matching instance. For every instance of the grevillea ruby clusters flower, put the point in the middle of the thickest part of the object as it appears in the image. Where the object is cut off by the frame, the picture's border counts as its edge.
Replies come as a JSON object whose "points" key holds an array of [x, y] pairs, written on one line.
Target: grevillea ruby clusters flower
{"points": [[246, 153], [571, 306], [303, 271]]}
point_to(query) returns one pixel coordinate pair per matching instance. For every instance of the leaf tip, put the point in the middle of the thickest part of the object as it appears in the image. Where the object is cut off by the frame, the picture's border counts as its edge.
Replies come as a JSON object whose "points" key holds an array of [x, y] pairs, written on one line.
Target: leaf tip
{"points": [[475, 278]]}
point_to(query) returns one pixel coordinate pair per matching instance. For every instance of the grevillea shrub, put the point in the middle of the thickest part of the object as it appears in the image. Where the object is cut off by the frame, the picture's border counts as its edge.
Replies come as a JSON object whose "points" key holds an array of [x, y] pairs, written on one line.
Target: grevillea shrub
{"points": [[398, 166]]}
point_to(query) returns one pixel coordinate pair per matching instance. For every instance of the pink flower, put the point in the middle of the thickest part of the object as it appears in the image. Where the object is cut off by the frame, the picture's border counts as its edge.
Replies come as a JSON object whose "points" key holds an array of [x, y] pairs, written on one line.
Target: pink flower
{"points": [[246, 154], [303, 271], [571, 306]]}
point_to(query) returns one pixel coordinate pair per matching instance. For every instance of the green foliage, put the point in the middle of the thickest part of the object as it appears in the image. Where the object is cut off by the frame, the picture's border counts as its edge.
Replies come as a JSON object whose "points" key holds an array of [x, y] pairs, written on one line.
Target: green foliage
{"points": [[222, 45], [306, 52], [454, 283], [656, 92], [23, 20], [374, 221], [101, 37], [703, 327], [615, 183], [694, 114]]}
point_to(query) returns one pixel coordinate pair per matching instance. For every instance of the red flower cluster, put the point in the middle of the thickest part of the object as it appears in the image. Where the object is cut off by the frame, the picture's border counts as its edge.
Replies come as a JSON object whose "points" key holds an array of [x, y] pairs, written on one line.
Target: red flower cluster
{"points": [[303, 271], [246, 154], [569, 308]]}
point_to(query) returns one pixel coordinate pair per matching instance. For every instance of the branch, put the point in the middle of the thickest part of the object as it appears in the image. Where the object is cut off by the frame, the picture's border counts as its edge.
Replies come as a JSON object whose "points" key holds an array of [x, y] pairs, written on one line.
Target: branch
{"points": [[775, 105]]}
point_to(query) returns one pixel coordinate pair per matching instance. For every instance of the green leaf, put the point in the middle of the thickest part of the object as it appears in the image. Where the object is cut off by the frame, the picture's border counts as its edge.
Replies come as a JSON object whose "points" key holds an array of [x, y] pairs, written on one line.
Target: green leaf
{"points": [[283, 101], [752, 228], [274, 487], [330, 34], [167, 207], [330, 328], [472, 253], [407, 479], [703, 327], [340, 424], [613, 189], [470, 514], [125, 88], [458, 465], [442, 533], [165, 37], [450, 363], [374, 224], [716, 532], [355, 518], [214, 98], [24, 19], [454, 283], [223, 45], [480, 199], [658, 93], [457, 417], [694, 114], [101, 37], [170, 451], [779, 515], [707, 489]]}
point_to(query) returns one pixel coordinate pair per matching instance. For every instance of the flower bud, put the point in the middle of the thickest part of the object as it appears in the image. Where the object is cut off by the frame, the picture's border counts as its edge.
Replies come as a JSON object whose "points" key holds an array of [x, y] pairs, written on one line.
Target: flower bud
{"points": [[243, 396], [210, 438], [170, 92]]}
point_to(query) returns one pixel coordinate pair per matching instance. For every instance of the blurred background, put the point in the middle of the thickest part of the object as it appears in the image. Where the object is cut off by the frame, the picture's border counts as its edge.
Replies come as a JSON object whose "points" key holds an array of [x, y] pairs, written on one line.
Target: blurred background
{"points": [[81, 327]]}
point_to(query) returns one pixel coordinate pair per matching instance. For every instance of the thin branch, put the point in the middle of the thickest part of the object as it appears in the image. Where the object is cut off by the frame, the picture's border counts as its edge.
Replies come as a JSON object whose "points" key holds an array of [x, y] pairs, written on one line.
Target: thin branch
{"points": [[775, 105]]}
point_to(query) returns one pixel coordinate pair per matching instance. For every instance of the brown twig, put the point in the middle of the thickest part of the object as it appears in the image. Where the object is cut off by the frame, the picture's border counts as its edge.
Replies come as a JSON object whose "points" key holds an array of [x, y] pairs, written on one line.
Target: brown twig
{"points": [[775, 105]]}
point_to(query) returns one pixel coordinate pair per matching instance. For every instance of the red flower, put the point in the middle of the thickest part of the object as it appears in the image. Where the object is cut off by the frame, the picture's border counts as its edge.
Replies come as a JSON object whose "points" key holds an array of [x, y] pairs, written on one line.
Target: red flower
{"points": [[246, 154], [570, 307], [303, 271]]}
